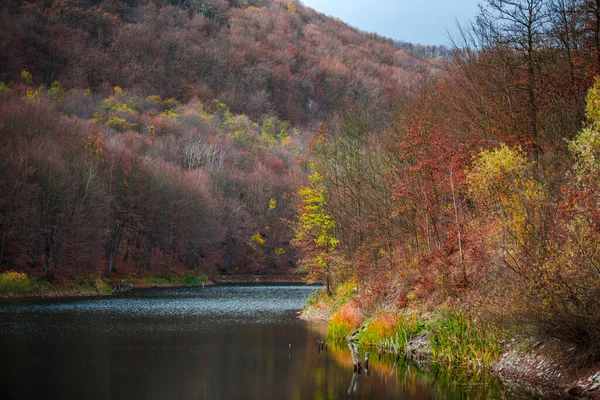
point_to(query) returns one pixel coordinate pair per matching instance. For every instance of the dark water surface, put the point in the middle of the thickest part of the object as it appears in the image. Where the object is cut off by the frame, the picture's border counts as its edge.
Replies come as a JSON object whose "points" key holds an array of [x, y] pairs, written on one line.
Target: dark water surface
{"points": [[230, 342]]}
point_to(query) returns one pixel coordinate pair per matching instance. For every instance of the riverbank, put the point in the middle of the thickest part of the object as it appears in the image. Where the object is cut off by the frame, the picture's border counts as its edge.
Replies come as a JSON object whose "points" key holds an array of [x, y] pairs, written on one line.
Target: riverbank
{"points": [[15, 284], [546, 368], [20, 285]]}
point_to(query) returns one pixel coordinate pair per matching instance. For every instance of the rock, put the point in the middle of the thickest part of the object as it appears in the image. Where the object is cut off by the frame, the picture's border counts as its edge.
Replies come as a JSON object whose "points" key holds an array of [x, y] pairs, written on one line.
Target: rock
{"points": [[418, 348], [594, 386], [122, 287]]}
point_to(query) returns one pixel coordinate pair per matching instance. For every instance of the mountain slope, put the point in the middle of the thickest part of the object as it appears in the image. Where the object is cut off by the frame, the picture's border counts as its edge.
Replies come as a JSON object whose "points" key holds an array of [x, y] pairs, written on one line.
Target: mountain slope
{"points": [[259, 57]]}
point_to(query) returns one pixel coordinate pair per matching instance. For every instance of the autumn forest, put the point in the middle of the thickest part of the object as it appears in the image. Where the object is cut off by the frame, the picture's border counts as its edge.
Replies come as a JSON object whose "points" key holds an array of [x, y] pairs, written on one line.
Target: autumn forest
{"points": [[169, 137]]}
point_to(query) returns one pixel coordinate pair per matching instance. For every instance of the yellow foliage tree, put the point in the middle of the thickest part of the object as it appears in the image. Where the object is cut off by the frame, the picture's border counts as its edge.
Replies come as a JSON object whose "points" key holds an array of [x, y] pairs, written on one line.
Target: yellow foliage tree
{"points": [[314, 232], [511, 203]]}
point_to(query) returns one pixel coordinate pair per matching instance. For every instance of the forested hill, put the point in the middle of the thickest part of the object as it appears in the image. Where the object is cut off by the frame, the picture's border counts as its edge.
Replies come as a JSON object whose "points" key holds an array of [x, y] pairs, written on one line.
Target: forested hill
{"points": [[257, 56], [147, 138]]}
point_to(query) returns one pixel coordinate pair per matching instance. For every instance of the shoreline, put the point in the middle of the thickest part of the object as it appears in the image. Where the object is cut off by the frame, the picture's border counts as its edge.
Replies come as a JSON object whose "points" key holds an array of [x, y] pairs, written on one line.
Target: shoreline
{"points": [[542, 368], [221, 280]]}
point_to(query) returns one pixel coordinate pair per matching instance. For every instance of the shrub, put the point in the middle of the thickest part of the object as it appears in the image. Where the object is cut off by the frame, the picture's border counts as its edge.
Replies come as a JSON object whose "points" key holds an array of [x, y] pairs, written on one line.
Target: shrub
{"points": [[119, 124], [344, 322], [102, 286], [92, 284], [343, 294], [187, 278], [382, 327], [191, 278], [14, 283], [316, 297], [391, 332]]}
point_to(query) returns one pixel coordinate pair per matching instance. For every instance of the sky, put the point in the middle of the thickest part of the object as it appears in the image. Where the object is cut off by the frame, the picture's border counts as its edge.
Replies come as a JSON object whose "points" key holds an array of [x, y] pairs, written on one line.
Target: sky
{"points": [[414, 21]]}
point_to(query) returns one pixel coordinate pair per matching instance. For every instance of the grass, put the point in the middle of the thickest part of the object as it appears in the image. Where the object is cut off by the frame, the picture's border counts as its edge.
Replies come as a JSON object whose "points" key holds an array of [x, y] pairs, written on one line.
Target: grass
{"points": [[391, 332], [343, 293], [187, 278], [456, 340], [339, 329], [91, 284], [14, 283], [316, 297], [344, 322]]}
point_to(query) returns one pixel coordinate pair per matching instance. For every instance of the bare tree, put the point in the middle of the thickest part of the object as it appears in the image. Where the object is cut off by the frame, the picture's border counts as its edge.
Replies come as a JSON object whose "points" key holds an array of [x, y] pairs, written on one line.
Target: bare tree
{"points": [[520, 26]]}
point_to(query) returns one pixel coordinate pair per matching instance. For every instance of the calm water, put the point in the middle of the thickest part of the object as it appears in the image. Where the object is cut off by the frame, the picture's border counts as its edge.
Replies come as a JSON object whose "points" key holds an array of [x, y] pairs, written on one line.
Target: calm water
{"points": [[193, 343]]}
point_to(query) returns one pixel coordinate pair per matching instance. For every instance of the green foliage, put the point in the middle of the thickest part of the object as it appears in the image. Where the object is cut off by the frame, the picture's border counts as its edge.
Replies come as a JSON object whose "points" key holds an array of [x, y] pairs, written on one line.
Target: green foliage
{"points": [[375, 332], [119, 124], [563, 299], [192, 278], [315, 298], [14, 283], [113, 104], [347, 316], [501, 182], [586, 149], [455, 339], [2, 87], [278, 252], [256, 241], [186, 278], [26, 77], [57, 92], [222, 112], [343, 293], [92, 284], [336, 300], [273, 131], [33, 94]]}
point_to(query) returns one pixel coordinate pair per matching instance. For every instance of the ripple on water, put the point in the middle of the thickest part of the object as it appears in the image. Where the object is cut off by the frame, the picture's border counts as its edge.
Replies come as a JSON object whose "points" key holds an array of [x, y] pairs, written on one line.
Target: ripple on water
{"points": [[157, 310]]}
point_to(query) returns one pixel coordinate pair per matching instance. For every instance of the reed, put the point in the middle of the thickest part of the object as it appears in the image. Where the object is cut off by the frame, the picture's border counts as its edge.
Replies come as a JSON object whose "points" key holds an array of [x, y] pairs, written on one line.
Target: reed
{"points": [[456, 340]]}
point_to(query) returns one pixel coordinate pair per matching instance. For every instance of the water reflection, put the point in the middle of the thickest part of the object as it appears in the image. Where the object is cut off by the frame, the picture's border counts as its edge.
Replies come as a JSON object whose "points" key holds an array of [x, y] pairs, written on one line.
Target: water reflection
{"points": [[217, 343]]}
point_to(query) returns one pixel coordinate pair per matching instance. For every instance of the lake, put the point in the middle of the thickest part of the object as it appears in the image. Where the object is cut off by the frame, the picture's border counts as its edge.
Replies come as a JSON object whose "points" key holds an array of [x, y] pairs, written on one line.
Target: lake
{"points": [[225, 342]]}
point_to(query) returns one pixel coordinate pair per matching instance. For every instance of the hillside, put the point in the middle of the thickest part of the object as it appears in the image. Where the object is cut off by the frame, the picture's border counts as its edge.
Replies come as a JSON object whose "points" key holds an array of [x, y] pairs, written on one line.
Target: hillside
{"points": [[450, 194], [259, 57], [147, 138]]}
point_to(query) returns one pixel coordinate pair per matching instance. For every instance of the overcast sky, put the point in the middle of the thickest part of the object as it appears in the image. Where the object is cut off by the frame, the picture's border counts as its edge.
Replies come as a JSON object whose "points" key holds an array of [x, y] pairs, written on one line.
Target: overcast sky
{"points": [[415, 21]]}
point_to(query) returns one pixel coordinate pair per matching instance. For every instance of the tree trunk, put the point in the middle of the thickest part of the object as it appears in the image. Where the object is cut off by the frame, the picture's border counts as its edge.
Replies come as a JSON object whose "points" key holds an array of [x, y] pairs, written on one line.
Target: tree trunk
{"points": [[229, 250], [460, 250], [4, 234]]}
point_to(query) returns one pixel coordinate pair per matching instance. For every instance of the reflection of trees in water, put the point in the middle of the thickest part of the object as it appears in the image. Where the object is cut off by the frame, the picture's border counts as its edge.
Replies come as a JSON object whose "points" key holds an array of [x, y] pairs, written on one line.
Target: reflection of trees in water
{"points": [[385, 375], [390, 374]]}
